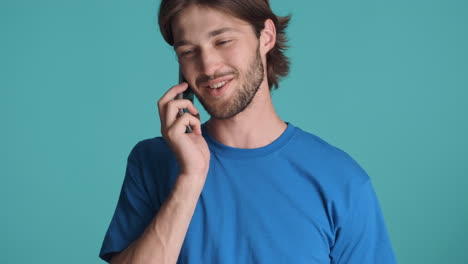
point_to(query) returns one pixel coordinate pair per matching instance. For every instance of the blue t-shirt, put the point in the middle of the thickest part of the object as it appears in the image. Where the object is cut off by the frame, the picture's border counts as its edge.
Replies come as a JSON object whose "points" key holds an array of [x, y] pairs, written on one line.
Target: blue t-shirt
{"points": [[296, 200]]}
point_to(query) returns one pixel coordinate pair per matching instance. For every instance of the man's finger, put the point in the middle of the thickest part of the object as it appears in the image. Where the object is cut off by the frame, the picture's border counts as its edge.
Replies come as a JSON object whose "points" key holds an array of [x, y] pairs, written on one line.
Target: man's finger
{"points": [[179, 126], [171, 94], [173, 107]]}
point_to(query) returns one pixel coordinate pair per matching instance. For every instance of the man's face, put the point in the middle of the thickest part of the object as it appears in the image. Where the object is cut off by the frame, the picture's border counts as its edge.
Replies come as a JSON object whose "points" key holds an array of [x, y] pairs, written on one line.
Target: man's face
{"points": [[219, 56]]}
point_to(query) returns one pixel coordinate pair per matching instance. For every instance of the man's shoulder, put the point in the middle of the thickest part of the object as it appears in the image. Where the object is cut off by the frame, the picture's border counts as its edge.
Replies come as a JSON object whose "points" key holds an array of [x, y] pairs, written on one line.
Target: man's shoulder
{"points": [[150, 148], [337, 164], [308, 139], [318, 147]]}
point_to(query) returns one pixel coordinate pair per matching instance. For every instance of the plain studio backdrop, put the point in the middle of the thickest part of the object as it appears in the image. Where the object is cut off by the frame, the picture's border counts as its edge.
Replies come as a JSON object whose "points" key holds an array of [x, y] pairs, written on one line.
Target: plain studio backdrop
{"points": [[384, 80]]}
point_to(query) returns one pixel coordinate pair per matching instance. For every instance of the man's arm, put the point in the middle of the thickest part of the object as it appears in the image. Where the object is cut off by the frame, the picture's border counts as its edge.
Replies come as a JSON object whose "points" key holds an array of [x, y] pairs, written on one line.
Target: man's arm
{"points": [[162, 235], [162, 239], [362, 237]]}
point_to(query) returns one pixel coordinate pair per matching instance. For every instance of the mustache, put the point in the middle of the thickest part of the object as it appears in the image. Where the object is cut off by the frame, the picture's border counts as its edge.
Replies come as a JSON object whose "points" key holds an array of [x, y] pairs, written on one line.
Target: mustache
{"points": [[204, 78]]}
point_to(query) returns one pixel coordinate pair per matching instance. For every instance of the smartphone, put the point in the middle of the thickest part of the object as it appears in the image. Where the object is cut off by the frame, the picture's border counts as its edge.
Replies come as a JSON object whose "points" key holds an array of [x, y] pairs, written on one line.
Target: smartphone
{"points": [[187, 94]]}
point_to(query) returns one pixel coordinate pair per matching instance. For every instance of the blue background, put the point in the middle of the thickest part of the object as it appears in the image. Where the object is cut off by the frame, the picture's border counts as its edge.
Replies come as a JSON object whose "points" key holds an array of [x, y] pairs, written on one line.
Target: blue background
{"points": [[386, 81]]}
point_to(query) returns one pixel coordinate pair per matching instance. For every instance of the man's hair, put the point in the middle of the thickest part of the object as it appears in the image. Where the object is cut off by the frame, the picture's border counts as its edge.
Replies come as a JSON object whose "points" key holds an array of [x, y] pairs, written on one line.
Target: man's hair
{"points": [[255, 12]]}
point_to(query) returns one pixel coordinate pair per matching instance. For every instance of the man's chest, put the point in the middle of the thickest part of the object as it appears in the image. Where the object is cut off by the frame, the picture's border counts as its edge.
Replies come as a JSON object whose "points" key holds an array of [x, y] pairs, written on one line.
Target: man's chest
{"points": [[260, 215]]}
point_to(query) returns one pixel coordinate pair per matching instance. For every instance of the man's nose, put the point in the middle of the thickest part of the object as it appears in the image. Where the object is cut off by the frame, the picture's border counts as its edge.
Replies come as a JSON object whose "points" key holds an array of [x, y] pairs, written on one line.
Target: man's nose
{"points": [[210, 62]]}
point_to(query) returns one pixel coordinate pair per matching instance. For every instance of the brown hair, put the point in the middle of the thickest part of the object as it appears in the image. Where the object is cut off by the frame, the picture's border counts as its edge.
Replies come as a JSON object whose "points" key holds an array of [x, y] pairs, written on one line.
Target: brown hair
{"points": [[255, 12]]}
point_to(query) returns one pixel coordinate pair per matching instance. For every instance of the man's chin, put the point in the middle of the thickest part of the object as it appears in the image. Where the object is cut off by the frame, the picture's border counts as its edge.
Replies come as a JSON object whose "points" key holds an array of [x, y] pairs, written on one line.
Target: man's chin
{"points": [[220, 114]]}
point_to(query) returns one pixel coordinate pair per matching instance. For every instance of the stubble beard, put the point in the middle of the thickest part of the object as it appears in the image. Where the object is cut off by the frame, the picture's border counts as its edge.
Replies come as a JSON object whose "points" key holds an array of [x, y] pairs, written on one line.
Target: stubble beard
{"points": [[243, 97]]}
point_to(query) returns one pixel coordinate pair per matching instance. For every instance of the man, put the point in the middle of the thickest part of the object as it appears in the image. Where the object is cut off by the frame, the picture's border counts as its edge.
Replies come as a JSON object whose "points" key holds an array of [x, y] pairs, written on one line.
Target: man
{"points": [[244, 187]]}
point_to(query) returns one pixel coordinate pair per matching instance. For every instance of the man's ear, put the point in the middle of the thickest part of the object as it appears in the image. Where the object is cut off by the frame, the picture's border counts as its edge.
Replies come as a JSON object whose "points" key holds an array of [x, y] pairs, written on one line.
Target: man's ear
{"points": [[267, 37]]}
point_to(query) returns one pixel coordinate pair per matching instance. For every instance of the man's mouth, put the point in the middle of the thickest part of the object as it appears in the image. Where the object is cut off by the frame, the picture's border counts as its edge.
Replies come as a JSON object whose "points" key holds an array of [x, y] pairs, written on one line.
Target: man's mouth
{"points": [[218, 82], [218, 85], [219, 88]]}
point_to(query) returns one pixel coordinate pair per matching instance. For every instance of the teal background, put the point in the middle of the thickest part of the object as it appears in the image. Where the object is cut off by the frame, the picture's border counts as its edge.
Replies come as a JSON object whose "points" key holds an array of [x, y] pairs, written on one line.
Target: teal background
{"points": [[383, 80]]}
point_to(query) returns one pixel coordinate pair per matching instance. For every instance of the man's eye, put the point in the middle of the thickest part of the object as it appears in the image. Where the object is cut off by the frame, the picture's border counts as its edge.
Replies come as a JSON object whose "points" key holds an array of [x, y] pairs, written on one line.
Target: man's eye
{"points": [[223, 42], [187, 52]]}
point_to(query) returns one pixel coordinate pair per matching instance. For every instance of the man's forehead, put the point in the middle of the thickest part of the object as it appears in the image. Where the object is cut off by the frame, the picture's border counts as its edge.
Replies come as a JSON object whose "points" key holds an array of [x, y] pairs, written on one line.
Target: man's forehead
{"points": [[181, 41], [207, 21]]}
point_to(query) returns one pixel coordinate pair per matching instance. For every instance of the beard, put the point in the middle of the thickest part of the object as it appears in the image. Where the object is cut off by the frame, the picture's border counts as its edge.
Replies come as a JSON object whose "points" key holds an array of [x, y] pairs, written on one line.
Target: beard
{"points": [[243, 96]]}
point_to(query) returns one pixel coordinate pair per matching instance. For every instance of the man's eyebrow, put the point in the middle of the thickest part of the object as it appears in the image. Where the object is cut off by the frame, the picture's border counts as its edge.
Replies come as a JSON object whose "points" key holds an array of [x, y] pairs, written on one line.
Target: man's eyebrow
{"points": [[211, 34], [181, 43], [220, 31]]}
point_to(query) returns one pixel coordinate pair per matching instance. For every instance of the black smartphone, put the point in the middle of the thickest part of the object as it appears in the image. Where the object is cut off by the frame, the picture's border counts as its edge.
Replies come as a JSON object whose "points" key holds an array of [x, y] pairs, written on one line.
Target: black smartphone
{"points": [[187, 94]]}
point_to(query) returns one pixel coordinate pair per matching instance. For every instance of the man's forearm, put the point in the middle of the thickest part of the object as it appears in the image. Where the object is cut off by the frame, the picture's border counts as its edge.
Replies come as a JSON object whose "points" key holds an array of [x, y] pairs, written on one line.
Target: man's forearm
{"points": [[162, 239]]}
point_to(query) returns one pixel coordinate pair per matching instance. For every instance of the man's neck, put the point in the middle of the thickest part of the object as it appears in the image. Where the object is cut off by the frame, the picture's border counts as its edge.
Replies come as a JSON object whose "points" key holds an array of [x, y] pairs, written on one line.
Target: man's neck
{"points": [[257, 126]]}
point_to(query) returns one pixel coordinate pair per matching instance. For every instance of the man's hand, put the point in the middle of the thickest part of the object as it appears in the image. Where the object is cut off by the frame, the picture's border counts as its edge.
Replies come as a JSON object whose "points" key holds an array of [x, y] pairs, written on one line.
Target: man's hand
{"points": [[190, 149]]}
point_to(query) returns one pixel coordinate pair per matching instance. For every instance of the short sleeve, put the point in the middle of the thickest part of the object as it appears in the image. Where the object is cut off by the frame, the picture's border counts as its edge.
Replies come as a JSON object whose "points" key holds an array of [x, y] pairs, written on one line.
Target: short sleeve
{"points": [[362, 238], [133, 213]]}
